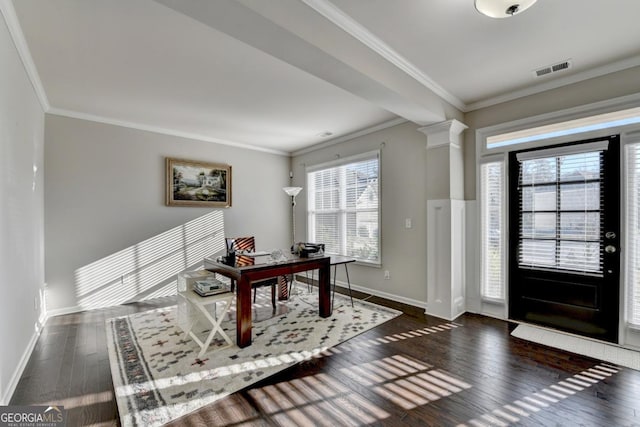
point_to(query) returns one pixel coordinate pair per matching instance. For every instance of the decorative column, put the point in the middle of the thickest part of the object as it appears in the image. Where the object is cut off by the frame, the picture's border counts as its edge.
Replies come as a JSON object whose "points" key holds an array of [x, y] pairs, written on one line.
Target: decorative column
{"points": [[445, 220]]}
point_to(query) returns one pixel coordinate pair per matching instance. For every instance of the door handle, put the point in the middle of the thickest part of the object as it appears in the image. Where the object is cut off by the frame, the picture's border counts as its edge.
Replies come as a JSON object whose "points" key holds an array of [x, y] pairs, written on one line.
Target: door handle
{"points": [[610, 249]]}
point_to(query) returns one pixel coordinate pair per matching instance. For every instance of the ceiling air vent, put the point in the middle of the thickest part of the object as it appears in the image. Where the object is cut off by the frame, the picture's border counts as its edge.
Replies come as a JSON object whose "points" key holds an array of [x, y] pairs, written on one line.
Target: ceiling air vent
{"points": [[550, 69]]}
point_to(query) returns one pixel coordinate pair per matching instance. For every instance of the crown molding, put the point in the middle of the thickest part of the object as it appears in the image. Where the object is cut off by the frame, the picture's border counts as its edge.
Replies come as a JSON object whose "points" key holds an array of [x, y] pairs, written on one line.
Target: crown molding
{"points": [[557, 83], [338, 140], [15, 30], [359, 32], [447, 133], [162, 131]]}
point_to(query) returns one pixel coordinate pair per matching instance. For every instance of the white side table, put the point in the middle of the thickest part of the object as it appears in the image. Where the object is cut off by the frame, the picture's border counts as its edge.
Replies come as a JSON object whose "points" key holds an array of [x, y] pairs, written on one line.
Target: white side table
{"points": [[191, 301]]}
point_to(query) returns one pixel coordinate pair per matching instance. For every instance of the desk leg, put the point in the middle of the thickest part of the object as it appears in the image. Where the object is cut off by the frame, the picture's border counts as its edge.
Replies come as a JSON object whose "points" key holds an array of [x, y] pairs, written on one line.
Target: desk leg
{"points": [[324, 290], [243, 313]]}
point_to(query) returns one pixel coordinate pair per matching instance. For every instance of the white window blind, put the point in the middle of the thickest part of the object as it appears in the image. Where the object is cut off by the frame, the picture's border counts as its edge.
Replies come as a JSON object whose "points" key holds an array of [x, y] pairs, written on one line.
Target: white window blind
{"points": [[492, 230], [344, 207], [632, 261], [560, 203]]}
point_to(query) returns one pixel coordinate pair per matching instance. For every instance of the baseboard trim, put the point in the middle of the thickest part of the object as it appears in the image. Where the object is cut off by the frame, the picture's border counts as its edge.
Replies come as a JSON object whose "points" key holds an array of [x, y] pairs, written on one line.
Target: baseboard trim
{"points": [[428, 313], [17, 374], [381, 294], [65, 310], [374, 292]]}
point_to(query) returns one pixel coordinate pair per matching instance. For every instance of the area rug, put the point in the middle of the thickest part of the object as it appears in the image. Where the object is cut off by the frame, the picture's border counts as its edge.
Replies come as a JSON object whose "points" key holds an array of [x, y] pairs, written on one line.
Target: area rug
{"points": [[583, 346], [158, 377]]}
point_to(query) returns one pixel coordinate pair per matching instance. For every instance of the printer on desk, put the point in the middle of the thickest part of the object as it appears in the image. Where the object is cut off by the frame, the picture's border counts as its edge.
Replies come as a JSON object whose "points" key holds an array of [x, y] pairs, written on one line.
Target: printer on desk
{"points": [[306, 250]]}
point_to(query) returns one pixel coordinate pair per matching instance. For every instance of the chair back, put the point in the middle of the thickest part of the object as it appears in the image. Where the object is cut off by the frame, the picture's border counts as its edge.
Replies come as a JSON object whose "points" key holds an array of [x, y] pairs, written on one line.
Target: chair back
{"points": [[245, 244]]}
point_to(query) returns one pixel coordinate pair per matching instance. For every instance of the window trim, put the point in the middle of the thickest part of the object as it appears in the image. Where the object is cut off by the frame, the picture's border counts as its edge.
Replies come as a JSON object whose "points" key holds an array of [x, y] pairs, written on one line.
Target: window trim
{"points": [[341, 161], [557, 117]]}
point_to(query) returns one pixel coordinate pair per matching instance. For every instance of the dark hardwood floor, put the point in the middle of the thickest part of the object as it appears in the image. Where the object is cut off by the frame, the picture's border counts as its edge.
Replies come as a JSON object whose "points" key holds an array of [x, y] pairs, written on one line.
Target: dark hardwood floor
{"points": [[414, 370]]}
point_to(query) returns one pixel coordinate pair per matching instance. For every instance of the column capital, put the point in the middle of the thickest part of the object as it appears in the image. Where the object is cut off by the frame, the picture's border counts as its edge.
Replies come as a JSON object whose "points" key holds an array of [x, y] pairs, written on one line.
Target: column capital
{"points": [[448, 133]]}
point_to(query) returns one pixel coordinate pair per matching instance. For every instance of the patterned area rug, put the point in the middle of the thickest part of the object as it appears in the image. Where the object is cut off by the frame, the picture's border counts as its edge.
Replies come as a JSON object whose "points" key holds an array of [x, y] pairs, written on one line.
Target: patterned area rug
{"points": [[158, 377]]}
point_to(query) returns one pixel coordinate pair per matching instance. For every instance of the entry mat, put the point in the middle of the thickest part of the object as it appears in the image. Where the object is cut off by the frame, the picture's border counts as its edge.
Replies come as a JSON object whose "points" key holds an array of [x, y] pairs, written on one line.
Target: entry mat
{"points": [[583, 346]]}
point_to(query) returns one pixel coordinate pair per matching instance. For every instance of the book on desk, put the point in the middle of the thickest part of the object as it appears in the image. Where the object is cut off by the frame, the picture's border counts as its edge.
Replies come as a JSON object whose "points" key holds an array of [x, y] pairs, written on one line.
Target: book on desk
{"points": [[208, 287]]}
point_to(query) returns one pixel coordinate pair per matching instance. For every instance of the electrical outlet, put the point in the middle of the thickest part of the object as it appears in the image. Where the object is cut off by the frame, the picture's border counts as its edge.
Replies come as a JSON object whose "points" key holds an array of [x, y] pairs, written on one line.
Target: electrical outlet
{"points": [[408, 223], [387, 275]]}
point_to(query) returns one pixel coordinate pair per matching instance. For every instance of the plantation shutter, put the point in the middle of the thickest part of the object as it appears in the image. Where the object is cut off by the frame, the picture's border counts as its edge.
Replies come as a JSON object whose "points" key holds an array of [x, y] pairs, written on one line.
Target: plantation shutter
{"points": [[344, 206], [632, 276], [492, 230]]}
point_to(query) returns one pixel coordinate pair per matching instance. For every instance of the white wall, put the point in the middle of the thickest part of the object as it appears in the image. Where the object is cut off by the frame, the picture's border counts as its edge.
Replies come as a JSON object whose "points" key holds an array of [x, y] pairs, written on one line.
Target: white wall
{"points": [[105, 207], [21, 215], [403, 195]]}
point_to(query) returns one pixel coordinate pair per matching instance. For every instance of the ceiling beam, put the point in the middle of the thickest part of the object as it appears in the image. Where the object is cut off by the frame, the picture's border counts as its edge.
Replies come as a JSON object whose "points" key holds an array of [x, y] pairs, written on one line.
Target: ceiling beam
{"points": [[317, 46]]}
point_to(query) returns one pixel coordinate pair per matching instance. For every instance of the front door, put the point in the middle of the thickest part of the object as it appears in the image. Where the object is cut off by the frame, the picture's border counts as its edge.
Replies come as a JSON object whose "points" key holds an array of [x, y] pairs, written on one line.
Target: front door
{"points": [[564, 231]]}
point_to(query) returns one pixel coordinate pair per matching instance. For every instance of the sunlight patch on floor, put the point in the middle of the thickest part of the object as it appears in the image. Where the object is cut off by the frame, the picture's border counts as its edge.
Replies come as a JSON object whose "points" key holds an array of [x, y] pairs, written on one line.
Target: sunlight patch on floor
{"points": [[316, 400], [543, 399], [405, 381]]}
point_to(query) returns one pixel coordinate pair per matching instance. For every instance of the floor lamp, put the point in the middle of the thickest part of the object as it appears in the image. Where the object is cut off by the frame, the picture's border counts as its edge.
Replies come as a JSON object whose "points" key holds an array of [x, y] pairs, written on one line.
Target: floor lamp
{"points": [[293, 192]]}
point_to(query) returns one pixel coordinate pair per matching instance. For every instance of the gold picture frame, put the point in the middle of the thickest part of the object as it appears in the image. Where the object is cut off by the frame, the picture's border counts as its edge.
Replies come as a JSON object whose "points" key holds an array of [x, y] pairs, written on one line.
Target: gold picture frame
{"points": [[197, 183]]}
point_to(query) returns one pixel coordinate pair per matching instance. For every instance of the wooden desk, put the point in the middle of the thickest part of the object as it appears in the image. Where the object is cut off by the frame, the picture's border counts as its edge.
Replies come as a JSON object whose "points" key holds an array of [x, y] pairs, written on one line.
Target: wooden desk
{"points": [[246, 274]]}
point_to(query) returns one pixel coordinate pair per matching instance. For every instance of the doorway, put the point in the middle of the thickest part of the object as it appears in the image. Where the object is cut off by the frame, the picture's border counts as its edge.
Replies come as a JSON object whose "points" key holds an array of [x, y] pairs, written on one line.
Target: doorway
{"points": [[564, 226]]}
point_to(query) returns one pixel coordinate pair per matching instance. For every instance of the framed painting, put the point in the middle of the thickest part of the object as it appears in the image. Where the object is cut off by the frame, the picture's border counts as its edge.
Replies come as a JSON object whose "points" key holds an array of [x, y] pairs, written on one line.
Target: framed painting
{"points": [[195, 183]]}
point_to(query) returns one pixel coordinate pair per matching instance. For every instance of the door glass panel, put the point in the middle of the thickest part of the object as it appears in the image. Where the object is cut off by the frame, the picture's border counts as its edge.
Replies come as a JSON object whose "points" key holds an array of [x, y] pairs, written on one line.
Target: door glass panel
{"points": [[580, 225], [538, 253], [583, 256], [539, 225], [539, 198], [560, 212], [580, 167], [539, 171], [580, 196]]}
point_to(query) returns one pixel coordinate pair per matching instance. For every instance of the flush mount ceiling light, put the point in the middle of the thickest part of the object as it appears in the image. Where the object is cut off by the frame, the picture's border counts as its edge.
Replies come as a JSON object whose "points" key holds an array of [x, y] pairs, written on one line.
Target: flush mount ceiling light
{"points": [[502, 8]]}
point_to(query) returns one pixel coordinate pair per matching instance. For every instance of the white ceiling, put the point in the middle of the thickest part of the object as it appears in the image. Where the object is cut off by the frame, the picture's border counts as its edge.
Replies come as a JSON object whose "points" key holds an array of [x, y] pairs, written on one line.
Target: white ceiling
{"points": [[274, 75]]}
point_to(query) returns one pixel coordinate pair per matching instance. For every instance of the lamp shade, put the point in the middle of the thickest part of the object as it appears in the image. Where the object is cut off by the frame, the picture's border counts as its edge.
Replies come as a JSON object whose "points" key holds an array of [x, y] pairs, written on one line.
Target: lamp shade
{"points": [[292, 191], [502, 8]]}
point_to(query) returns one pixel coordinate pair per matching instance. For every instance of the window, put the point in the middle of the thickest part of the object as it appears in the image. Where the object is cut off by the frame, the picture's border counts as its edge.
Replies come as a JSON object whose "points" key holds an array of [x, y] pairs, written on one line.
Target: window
{"points": [[632, 155], [492, 230], [570, 127], [344, 207]]}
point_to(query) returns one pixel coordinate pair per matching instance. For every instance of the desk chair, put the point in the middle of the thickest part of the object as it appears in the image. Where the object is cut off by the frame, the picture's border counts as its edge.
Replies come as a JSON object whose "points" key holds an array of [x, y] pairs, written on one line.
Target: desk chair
{"points": [[248, 244]]}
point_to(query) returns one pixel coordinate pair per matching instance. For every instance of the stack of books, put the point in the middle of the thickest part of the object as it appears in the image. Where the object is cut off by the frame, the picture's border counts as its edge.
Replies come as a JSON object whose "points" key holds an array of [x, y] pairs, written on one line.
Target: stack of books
{"points": [[208, 287]]}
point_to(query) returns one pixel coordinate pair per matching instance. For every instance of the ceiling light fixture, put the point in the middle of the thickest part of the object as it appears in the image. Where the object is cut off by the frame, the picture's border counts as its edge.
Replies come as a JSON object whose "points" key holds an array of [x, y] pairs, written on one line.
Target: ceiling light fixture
{"points": [[502, 8]]}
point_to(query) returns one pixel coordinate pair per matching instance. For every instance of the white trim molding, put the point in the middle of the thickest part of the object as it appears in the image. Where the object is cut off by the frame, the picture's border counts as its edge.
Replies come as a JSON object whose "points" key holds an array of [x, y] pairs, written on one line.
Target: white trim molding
{"points": [[446, 260], [366, 37], [22, 364], [156, 129], [448, 133], [350, 136], [17, 35]]}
